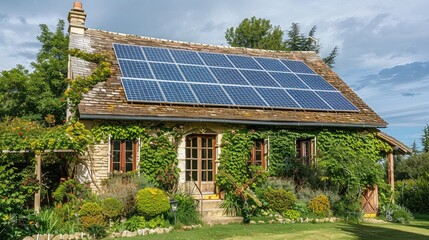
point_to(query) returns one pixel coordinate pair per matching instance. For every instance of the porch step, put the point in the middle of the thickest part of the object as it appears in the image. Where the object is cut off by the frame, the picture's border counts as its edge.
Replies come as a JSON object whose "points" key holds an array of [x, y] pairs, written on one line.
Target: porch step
{"points": [[207, 196], [212, 213]]}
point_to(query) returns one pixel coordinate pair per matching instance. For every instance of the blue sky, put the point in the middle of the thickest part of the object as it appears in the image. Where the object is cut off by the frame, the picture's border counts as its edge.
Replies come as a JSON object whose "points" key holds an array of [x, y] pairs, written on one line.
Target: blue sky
{"points": [[384, 45]]}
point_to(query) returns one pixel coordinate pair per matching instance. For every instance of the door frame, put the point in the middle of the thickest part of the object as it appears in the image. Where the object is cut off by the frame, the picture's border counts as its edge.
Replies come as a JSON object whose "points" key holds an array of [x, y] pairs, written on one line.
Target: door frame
{"points": [[199, 137]]}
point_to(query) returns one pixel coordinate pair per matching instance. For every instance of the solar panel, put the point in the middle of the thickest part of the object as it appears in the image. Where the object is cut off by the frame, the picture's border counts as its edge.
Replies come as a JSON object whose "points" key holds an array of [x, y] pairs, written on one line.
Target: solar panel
{"points": [[197, 74], [288, 80], [297, 66], [308, 99], [129, 52], [211, 94], [229, 76], [186, 57], [165, 71], [162, 75], [270, 64], [337, 101], [244, 62], [315, 82], [135, 69], [157, 54], [215, 60], [259, 78], [176, 92], [277, 97], [244, 96], [142, 90]]}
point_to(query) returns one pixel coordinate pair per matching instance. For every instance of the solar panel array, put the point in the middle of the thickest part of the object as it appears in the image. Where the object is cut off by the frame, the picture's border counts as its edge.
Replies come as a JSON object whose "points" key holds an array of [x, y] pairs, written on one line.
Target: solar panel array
{"points": [[163, 75]]}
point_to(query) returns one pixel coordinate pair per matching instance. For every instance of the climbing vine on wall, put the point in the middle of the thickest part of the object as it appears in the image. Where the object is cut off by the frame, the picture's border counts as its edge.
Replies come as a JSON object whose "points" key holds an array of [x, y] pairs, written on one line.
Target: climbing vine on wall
{"points": [[82, 84], [158, 152], [346, 157]]}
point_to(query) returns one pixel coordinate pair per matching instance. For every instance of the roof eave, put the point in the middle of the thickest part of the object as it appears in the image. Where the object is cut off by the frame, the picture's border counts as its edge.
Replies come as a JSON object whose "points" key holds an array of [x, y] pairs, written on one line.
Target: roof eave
{"points": [[230, 121]]}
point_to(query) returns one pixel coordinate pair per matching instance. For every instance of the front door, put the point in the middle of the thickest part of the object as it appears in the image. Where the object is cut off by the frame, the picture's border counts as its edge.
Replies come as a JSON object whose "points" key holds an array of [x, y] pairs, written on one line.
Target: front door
{"points": [[200, 161]]}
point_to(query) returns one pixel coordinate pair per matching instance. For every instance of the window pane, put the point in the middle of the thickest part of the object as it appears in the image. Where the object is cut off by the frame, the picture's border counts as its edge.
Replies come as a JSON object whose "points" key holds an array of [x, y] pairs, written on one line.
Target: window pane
{"points": [[116, 167], [188, 142], [194, 153], [128, 167], [204, 153], [258, 156], [188, 164], [116, 145], [129, 145], [188, 177], [194, 164], [204, 176], [210, 164], [116, 156], [188, 153], [204, 165], [210, 177], [204, 142], [210, 143], [194, 142], [194, 175], [210, 153]]}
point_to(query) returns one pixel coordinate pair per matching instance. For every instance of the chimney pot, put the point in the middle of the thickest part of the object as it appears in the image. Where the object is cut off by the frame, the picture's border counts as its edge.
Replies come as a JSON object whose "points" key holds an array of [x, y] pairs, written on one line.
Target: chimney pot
{"points": [[77, 5]]}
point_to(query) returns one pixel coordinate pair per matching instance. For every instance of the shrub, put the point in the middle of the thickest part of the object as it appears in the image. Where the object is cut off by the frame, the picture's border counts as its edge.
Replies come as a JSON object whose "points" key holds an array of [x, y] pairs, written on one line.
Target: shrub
{"points": [[151, 202], [413, 194], [319, 205], [124, 187], [300, 207], [97, 231], [292, 214], [91, 214], [135, 223], [157, 221], [279, 200], [187, 213], [112, 208], [396, 213], [70, 191]]}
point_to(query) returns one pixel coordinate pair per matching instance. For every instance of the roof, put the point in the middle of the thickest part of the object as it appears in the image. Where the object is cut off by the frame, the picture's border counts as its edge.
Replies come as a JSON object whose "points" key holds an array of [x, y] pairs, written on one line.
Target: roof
{"points": [[107, 99], [395, 143]]}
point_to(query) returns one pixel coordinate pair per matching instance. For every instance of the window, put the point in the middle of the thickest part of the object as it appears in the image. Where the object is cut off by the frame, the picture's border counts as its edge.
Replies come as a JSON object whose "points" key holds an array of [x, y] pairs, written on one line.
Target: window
{"points": [[257, 157], [305, 150], [123, 156]]}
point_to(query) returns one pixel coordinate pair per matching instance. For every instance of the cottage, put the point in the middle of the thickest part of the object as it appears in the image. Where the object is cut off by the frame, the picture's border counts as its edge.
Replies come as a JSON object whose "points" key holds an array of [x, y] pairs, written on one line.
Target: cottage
{"points": [[203, 93]]}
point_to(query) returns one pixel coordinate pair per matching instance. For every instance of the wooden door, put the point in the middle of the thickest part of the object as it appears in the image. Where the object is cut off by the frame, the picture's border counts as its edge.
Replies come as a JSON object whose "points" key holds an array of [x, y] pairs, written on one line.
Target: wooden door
{"points": [[370, 201], [200, 161]]}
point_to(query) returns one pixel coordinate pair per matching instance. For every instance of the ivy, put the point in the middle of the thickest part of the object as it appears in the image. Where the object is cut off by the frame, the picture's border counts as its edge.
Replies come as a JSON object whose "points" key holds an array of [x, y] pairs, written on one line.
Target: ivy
{"points": [[19, 134], [158, 152], [81, 84], [347, 158]]}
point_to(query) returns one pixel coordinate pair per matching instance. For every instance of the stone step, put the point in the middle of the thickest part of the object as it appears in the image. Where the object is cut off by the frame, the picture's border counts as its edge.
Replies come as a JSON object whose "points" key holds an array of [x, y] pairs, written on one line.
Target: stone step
{"points": [[212, 212], [209, 204], [222, 220]]}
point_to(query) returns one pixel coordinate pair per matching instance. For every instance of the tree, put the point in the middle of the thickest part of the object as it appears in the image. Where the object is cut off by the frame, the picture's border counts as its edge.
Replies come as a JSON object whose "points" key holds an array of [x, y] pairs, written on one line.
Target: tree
{"points": [[414, 148], [259, 33], [425, 138], [35, 95]]}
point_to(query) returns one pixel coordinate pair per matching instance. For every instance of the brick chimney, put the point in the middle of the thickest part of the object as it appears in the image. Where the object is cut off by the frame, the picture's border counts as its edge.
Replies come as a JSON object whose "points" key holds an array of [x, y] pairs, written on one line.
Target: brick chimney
{"points": [[77, 19]]}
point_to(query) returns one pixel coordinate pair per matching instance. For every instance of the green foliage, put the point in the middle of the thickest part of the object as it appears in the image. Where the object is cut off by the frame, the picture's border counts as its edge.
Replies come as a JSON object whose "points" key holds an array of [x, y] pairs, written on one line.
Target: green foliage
{"points": [[320, 205], [291, 214], [413, 194], [301, 207], [125, 187], [19, 134], [256, 33], [112, 208], [260, 34], [151, 202], [48, 221], [97, 231], [158, 148], [70, 191], [231, 205], [40, 93], [414, 167], [157, 221], [90, 215], [187, 212], [17, 188], [396, 213], [279, 200], [81, 85], [425, 138], [135, 223]]}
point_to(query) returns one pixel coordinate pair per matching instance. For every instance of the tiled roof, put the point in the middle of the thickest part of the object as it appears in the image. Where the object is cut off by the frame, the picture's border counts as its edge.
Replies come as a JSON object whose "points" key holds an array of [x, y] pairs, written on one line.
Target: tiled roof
{"points": [[107, 99]]}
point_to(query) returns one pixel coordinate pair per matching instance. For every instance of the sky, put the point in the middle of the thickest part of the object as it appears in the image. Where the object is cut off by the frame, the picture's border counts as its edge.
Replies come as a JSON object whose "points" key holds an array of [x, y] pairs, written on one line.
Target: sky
{"points": [[383, 45]]}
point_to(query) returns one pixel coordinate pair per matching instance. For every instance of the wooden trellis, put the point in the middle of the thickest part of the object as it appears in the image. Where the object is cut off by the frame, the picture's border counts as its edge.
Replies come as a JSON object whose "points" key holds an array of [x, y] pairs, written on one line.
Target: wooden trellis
{"points": [[38, 170]]}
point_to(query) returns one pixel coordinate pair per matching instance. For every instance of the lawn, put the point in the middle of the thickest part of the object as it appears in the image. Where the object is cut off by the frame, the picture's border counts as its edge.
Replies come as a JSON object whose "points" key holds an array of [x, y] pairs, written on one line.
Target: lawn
{"points": [[418, 229]]}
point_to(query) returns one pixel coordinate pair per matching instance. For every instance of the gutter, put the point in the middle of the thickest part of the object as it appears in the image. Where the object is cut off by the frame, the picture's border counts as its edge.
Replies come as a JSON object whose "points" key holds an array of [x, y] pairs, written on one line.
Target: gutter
{"points": [[231, 121]]}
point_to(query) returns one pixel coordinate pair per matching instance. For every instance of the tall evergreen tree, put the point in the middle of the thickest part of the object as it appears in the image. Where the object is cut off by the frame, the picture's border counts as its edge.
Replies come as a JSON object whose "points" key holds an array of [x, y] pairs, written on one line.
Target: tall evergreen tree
{"points": [[414, 148], [259, 33], [425, 138]]}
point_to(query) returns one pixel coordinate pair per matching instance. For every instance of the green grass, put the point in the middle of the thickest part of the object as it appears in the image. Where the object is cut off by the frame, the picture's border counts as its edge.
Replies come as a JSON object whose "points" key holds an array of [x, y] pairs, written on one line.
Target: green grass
{"points": [[418, 229]]}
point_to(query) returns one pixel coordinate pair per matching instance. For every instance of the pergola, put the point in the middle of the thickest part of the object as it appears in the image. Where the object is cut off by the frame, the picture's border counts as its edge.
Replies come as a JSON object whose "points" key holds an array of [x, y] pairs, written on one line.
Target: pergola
{"points": [[38, 169]]}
